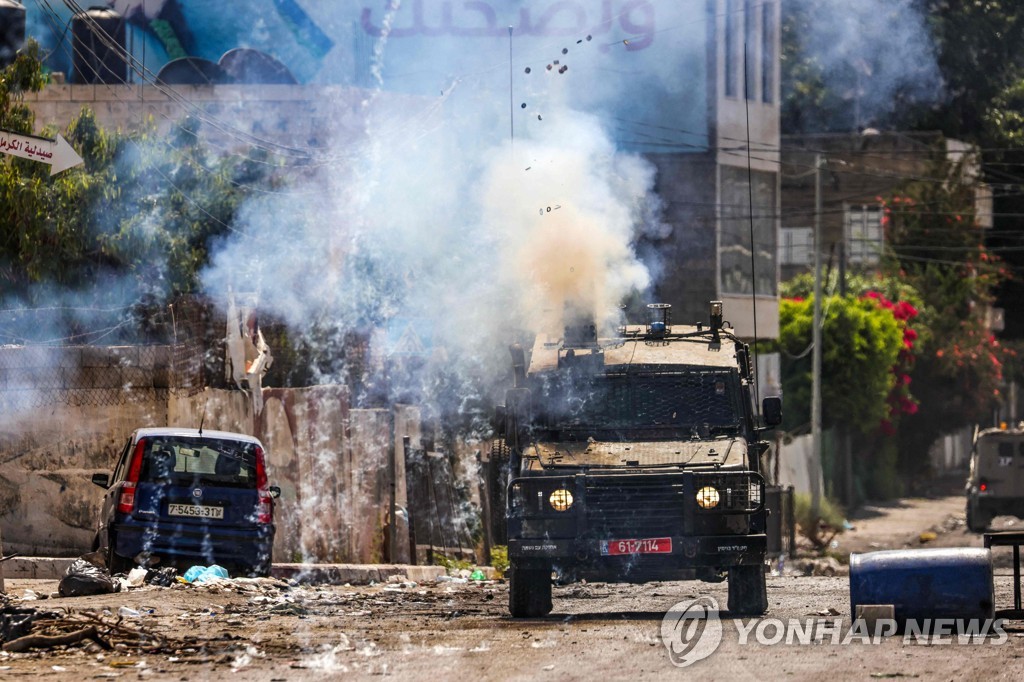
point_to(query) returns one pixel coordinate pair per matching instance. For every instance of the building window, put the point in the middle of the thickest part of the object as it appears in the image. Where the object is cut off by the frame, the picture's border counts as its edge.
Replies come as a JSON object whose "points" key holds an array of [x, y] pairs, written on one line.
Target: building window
{"points": [[738, 212], [732, 21], [797, 246], [750, 46], [768, 53], [862, 229]]}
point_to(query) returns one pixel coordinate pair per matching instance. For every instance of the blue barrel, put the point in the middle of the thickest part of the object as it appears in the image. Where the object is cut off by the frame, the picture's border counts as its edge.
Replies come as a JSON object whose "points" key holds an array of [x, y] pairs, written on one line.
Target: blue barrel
{"points": [[953, 582]]}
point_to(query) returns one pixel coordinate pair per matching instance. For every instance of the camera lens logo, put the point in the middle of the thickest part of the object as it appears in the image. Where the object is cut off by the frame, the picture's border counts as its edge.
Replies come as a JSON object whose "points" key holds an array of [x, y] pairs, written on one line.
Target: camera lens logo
{"points": [[691, 631]]}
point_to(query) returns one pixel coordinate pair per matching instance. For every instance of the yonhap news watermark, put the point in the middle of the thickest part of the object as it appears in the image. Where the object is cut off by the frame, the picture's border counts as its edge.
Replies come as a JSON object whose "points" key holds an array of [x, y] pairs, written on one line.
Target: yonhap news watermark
{"points": [[692, 630]]}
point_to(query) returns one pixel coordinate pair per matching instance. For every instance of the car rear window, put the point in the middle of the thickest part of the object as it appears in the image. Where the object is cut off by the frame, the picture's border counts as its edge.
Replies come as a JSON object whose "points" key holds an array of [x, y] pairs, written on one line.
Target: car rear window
{"points": [[187, 461]]}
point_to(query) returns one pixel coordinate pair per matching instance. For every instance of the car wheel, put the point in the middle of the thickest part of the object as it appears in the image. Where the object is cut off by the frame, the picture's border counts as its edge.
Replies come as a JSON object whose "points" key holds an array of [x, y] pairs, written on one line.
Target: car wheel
{"points": [[115, 562], [977, 520], [748, 593], [529, 594]]}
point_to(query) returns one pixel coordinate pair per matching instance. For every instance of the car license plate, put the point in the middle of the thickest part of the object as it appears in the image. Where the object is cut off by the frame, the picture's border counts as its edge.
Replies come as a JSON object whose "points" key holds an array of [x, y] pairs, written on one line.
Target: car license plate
{"points": [[644, 546], [195, 510]]}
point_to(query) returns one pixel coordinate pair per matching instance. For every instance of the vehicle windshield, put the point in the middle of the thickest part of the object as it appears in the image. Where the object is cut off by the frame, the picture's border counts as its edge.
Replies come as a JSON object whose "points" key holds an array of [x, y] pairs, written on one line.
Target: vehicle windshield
{"points": [[686, 405], [188, 461]]}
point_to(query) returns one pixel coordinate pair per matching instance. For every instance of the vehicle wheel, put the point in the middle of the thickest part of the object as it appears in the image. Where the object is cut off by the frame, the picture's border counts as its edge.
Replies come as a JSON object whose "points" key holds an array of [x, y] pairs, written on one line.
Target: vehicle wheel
{"points": [[497, 486], [529, 594], [748, 593], [117, 563], [977, 520]]}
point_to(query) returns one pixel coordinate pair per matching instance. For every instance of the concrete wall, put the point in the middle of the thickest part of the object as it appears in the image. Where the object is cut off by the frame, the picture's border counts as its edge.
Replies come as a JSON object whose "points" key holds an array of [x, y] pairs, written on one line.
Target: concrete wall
{"points": [[794, 464], [304, 116], [952, 453]]}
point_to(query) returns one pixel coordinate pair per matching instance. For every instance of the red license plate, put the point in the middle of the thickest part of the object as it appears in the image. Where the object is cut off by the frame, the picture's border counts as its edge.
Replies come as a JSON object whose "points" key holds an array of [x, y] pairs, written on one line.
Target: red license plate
{"points": [[644, 546]]}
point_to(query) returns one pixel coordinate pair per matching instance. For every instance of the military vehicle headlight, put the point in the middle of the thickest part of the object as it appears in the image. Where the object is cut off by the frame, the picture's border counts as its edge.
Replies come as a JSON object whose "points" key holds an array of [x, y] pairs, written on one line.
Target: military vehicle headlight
{"points": [[707, 497], [560, 500]]}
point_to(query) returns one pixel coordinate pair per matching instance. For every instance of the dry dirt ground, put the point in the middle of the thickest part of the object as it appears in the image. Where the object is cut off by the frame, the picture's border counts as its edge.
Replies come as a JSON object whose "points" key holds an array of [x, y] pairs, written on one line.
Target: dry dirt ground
{"points": [[269, 630]]}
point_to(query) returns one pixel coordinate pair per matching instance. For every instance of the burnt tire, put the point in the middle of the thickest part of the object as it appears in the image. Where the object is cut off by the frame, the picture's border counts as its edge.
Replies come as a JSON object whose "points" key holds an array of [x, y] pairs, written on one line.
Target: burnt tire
{"points": [[977, 520], [529, 592], [748, 591]]}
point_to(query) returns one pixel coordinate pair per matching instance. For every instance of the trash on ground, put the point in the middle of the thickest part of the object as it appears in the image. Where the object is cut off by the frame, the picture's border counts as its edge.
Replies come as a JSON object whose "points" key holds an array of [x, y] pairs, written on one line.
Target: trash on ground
{"points": [[162, 577], [17, 622], [203, 574], [137, 576], [84, 578]]}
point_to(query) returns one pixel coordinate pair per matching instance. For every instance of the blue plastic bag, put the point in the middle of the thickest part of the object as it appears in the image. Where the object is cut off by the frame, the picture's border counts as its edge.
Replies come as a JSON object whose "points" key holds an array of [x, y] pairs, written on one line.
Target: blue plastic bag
{"points": [[202, 574]]}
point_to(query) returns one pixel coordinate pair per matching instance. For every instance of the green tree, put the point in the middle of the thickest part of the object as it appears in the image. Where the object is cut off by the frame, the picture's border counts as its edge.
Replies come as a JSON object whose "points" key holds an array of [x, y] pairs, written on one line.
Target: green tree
{"points": [[978, 50], [935, 244], [861, 343], [133, 225]]}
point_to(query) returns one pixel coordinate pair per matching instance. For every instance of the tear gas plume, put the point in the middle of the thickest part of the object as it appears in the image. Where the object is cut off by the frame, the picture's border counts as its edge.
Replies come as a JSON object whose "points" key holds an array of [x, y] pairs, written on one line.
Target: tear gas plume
{"points": [[435, 214], [875, 54]]}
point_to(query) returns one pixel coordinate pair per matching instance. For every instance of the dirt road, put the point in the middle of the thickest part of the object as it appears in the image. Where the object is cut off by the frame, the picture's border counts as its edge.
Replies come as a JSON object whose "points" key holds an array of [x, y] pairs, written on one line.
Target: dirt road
{"points": [[268, 630]]}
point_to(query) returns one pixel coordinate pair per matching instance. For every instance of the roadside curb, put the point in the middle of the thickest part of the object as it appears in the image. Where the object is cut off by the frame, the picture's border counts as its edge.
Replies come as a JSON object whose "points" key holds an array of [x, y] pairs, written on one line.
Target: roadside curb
{"points": [[355, 574], [52, 568], [35, 567]]}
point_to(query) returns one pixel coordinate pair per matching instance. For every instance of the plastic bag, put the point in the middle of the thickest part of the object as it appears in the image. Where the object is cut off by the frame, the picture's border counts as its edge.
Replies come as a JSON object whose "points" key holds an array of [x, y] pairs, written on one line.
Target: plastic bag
{"points": [[84, 578], [202, 574], [163, 577]]}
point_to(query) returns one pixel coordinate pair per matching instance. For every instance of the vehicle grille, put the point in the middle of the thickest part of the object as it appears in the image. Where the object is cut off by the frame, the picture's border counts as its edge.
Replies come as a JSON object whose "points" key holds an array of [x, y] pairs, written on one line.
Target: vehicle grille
{"points": [[634, 506]]}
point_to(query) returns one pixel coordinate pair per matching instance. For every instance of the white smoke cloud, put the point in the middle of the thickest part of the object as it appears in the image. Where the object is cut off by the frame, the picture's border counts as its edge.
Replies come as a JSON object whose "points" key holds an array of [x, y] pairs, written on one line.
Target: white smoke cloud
{"points": [[877, 54], [432, 214]]}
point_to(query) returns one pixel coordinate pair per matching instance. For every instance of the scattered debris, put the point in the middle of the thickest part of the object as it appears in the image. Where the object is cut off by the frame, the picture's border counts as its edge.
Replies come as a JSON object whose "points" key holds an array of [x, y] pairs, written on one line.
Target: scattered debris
{"points": [[821, 566], [136, 577], [50, 641], [17, 622]]}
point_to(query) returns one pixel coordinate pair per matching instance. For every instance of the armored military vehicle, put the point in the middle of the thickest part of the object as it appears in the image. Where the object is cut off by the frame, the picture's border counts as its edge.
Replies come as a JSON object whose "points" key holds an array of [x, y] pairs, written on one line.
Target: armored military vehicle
{"points": [[635, 458], [995, 485]]}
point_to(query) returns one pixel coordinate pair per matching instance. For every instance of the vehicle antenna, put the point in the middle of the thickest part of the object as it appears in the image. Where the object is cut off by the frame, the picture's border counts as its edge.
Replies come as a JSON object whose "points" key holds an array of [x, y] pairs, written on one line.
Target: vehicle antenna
{"points": [[203, 418], [750, 203], [511, 109]]}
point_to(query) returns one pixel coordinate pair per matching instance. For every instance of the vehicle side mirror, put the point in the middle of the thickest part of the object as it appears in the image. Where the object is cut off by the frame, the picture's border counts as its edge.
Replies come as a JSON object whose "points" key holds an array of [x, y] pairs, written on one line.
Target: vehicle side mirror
{"points": [[498, 421], [275, 491], [771, 410], [102, 480]]}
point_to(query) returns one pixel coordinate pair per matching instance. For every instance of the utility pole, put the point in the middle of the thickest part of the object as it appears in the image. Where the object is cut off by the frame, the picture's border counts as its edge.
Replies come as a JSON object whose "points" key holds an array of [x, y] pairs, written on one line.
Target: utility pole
{"points": [[815, 463], [844, 432]]}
